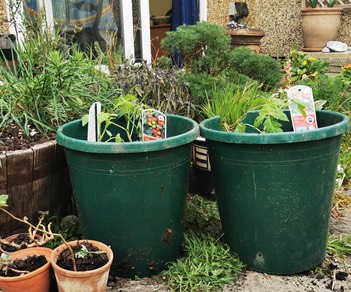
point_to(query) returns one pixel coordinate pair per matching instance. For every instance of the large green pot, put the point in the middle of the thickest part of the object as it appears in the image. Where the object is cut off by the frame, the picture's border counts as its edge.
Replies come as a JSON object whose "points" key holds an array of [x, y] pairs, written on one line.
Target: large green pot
{"points": [[275, 191], [132, 195]]}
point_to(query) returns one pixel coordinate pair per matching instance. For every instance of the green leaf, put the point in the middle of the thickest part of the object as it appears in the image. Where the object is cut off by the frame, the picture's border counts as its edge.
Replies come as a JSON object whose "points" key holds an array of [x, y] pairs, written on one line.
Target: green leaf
{"points": [[85, 120], [3, 200]]}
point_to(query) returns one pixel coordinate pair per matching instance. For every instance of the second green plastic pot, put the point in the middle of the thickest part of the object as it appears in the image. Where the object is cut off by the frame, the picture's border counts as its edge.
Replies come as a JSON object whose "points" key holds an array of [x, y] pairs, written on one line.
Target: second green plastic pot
{"points": [[275, 191], [132, 195]]}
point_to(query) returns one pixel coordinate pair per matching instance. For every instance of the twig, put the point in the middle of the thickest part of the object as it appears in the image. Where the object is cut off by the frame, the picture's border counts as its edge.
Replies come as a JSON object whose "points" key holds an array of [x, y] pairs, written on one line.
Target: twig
{"points": [[47, 232], [334, 280]]}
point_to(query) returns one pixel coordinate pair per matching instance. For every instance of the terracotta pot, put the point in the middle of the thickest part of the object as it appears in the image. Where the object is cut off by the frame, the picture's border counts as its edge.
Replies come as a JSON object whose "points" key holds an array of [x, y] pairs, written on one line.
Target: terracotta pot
{"points": [[319, 25], [87, 281], [247, 37], [36, 281], [11, 238]]}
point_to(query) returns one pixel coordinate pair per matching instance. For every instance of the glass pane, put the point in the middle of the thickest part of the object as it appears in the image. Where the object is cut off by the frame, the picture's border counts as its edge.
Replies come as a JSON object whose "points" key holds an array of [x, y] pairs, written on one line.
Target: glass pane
{"points": [[87, 21]]}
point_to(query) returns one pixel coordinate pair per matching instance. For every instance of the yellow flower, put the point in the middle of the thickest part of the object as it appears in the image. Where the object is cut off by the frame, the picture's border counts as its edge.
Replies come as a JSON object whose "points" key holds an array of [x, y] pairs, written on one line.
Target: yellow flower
{"points": [[346, 67], [304, 62], [311, 59]]}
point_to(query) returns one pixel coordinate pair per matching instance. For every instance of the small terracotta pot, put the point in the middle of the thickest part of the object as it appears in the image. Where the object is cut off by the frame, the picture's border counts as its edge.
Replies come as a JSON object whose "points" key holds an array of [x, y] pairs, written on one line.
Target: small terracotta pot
{"points": [[11, 238], [87, 281], [36, 281]]}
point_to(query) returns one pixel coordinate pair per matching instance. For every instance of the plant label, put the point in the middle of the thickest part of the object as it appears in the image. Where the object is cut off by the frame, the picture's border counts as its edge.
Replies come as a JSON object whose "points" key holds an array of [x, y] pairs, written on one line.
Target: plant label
{"points": [[302, 110], [154, 125], [93, 125]]}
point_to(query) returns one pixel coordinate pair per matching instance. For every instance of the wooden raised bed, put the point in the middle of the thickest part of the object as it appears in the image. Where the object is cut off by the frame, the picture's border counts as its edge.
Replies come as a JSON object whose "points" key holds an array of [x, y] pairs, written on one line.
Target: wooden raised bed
{"points": [[35, 179]]}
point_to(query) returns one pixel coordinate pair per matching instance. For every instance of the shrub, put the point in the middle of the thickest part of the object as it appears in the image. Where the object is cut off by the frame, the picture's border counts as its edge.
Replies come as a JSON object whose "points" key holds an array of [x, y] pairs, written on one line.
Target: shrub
{"points": [[261, 68], [160, 87], [204, 47]]}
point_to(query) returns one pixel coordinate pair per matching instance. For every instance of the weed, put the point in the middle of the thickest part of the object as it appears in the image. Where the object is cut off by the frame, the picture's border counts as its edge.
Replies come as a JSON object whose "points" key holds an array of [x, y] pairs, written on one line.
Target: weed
{"points": [[201, 216], [341, 201], [208, 265], [339, 245]]}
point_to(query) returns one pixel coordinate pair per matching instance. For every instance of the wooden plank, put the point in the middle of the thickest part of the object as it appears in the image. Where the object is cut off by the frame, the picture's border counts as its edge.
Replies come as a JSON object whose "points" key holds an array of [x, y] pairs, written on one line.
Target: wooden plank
{"points": [[4, 219], [43, 165], [3, 174], [19, 182]]}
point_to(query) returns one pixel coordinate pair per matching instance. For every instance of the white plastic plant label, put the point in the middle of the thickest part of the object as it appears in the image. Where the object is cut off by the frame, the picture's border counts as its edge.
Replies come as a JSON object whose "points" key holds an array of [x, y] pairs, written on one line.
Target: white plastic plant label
{"points": [[154, 125], [93, 126], [302, 110]]}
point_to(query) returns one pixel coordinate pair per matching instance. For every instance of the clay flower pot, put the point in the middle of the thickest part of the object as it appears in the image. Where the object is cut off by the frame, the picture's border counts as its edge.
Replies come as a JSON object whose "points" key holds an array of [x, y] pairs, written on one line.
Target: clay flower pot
{"points": [[12, 238], [319, 25], [247, 37], [78, 281], [36, 281]]}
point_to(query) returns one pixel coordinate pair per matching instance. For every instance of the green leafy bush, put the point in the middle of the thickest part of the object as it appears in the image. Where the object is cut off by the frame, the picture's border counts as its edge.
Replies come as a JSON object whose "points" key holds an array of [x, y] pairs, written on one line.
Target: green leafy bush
{"points": [[261, 68], [204, 47]]}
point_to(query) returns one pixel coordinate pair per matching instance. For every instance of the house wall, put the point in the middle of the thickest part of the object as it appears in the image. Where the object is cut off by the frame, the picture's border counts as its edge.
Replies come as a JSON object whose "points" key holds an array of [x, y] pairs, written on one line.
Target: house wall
{"points": [[280, 20], [3, 18]]}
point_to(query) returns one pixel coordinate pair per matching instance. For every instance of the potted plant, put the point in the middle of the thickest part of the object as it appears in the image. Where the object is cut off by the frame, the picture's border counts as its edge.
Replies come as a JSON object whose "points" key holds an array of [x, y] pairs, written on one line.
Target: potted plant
{"points": [[319, 25], [90, 270], [26, 270], [242, 35], [274, 190], [75, 263], [131, 194], [19, 241]]}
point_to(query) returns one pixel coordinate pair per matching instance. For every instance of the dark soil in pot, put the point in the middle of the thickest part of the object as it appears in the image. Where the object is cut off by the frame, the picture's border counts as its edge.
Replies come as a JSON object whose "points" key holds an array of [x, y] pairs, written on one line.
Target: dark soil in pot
{"points": [[29, 264], [21, 239], [93, 260]]}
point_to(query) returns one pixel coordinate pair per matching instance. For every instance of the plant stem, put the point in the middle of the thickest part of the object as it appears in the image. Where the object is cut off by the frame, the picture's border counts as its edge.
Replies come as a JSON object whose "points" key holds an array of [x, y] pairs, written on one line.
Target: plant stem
{"points": [[36, 228]]}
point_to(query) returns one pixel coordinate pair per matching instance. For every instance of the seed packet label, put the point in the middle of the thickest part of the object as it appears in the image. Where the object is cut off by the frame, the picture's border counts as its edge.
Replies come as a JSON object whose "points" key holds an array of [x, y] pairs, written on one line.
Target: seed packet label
{"points": [[301, 97], [154, 125]]}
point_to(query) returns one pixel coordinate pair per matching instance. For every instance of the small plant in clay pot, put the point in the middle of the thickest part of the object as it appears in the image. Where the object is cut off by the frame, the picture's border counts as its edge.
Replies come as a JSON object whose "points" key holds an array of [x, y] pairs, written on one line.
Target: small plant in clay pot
{"points": [[92, 279], [19, 241], [26, 270], [10, 266], [87, 257]]}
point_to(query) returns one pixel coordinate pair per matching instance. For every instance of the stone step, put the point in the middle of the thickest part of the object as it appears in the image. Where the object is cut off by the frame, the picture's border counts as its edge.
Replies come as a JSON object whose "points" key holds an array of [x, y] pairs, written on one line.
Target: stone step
{"points": [[337, 60]]}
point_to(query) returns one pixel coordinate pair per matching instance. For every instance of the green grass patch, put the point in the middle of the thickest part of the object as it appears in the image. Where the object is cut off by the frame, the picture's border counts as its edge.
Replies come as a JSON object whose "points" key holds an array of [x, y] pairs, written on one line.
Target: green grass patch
{"points": [[208, 265]]}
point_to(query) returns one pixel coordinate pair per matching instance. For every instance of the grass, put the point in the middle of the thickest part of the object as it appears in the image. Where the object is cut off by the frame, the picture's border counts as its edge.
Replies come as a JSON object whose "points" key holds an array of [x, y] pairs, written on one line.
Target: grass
{"points": [[208, 263], [339, 245]]}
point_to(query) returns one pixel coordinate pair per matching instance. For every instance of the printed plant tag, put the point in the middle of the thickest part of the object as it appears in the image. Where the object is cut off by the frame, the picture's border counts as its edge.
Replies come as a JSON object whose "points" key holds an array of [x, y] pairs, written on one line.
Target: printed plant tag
{"points": [[154, 125], [302, 110]]}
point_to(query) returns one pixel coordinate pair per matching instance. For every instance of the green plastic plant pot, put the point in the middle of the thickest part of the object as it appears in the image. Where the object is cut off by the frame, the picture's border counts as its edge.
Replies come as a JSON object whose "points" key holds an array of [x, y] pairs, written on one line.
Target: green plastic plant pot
{"points": [[275, 191], [132, 195]]}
